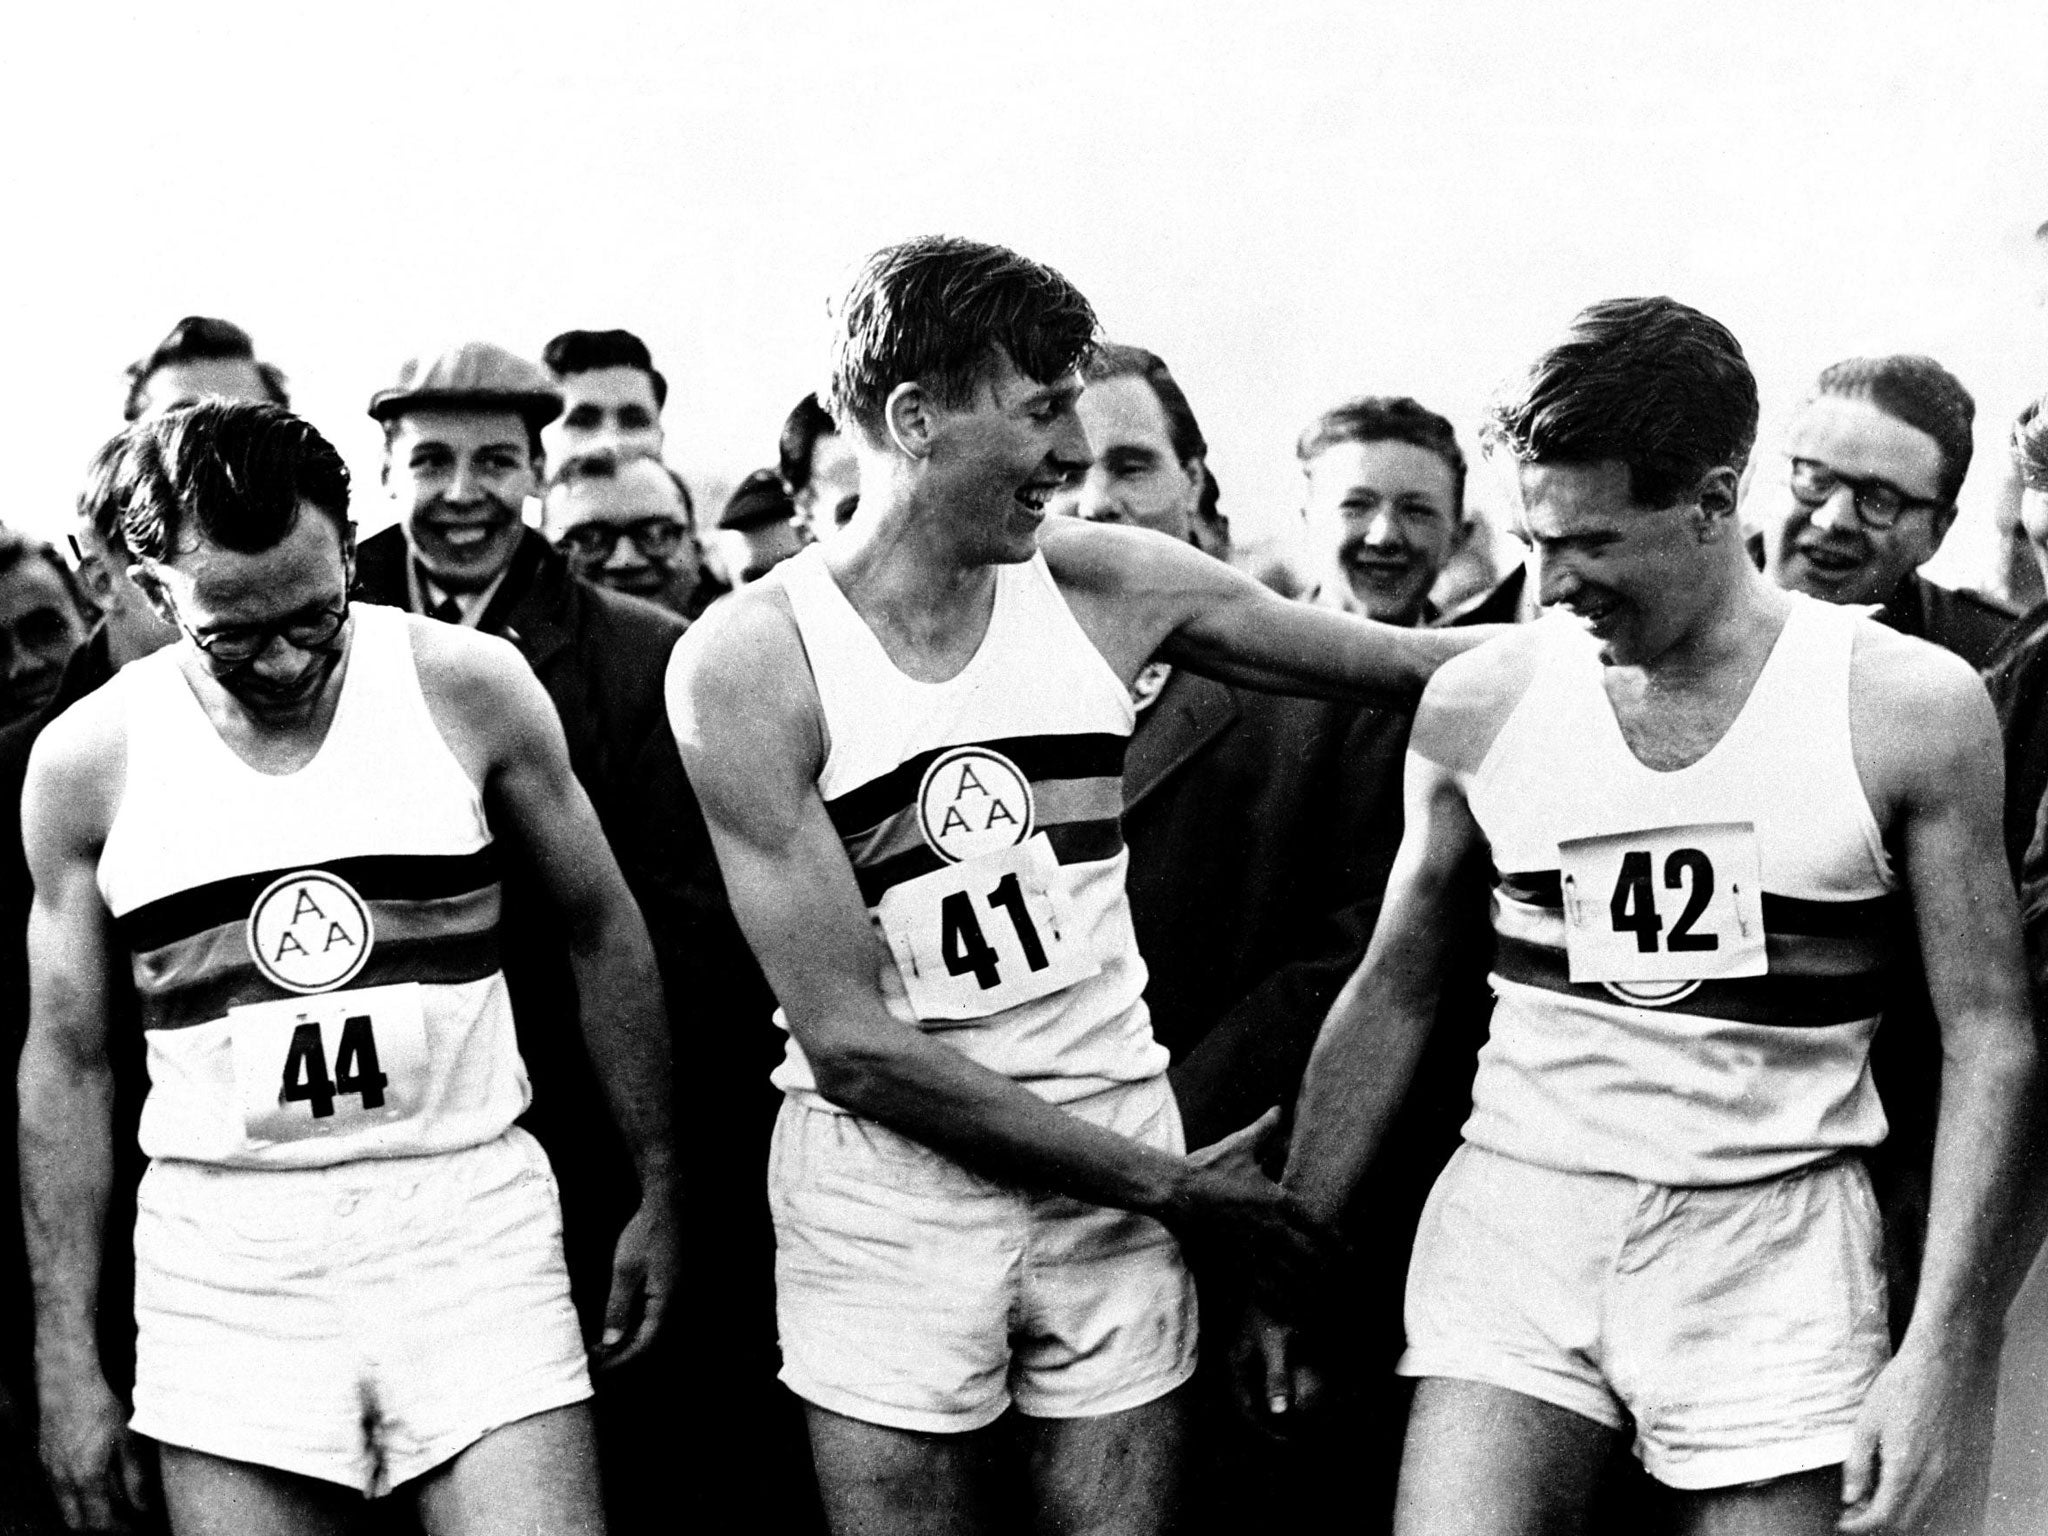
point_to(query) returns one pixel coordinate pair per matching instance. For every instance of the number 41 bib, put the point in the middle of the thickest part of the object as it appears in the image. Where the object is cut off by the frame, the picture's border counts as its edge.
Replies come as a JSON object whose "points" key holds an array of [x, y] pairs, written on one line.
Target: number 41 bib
{"points": [[983, 935], [1664, 905]]}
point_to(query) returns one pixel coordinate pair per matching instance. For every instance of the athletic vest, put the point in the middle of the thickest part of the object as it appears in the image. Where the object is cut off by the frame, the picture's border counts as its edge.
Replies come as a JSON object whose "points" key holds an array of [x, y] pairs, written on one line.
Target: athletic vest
{"points": [[316, 953], [982, 816], [1689, 965]]}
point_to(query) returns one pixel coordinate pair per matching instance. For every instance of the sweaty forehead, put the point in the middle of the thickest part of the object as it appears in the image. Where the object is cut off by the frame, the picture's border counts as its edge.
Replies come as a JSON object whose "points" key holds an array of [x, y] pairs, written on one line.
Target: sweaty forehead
{"points": [[641, 488], [609, 388], [459, 431], [1570, 500], [174, 384], [228, 586], [1851, 434], [1123, 412]]}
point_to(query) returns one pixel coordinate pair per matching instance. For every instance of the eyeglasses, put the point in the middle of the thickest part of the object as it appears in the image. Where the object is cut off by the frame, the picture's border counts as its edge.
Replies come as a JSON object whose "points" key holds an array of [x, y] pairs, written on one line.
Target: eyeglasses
{"points": [[1879, 503], [236, 645], [655, 537]]}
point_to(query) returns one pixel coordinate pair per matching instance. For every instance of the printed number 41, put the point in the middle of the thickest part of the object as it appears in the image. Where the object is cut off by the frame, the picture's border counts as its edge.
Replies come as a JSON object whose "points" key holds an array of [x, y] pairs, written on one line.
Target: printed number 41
{"points": [[966, 949], [1634, 904], [355, 1068]]}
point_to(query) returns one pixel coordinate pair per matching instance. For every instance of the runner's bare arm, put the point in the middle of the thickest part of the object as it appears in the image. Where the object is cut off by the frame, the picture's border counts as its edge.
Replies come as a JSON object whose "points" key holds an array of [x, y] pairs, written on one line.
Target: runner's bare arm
{"points": [[530, 787], [66, 1095], [746, 719], [1928, 750], [1138, 594]]}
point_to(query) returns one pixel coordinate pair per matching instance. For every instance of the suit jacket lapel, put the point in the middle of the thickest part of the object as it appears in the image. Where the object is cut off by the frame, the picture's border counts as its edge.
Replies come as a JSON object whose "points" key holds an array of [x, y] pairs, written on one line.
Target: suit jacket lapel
{"points": [[1189, 713]]}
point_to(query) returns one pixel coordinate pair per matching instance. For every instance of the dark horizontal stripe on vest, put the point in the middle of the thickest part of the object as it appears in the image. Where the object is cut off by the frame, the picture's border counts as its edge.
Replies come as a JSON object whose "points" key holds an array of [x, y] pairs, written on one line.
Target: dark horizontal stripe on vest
{"points": [[1790, 1002], [448, 961], [374, 876], [1091, 755], [1073, 842], [1782, 914]]}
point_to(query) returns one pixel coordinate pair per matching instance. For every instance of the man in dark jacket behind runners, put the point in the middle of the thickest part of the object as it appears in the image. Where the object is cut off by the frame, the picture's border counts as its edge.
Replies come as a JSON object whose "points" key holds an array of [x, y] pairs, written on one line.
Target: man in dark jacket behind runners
{"points": [[462, 454]]}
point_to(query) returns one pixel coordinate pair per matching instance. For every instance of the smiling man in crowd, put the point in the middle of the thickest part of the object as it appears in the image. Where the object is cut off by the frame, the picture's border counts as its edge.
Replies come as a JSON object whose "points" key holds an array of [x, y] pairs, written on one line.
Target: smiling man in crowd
{"points": [[628, 524], [462, 457], [1865, 492]]}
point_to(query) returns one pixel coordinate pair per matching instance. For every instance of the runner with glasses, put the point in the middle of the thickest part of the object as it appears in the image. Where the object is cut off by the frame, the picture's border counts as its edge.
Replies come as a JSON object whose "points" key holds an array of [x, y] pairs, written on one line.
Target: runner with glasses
{"points": [[349, 1267]]}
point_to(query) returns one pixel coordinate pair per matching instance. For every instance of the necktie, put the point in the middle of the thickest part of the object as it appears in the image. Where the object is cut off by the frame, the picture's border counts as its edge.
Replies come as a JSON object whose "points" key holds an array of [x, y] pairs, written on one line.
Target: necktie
{"points": [[448, 611]]}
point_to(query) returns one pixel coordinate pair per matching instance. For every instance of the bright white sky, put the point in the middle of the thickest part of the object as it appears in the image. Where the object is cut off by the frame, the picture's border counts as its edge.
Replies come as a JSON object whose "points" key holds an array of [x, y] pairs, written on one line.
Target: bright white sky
{"points": [[1291, 202]]}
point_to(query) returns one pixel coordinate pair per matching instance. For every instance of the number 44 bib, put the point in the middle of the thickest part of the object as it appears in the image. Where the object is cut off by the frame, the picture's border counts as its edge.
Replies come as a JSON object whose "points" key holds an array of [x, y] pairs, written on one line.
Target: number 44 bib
{"points": [[331, 1064], [1664, 905], [985, 934]]}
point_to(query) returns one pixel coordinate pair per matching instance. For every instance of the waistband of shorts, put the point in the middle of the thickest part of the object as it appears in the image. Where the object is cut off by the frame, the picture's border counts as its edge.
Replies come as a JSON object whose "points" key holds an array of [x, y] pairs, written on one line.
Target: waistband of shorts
{"points": [[1097, 1101], [361, 1173], [1824, 1163]]}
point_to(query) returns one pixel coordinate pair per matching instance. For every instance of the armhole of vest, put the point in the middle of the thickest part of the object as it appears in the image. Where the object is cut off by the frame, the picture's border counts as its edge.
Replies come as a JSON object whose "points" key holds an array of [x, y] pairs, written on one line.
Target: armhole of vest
{"points": [[405, 673], [1039, 570], [808, 576], [1851, 625]]}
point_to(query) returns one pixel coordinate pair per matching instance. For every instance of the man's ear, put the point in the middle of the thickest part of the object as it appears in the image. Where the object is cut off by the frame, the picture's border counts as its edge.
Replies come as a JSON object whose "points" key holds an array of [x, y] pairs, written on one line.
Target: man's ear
{"points": [[910, 419], [1715, 500], [143, 576]]}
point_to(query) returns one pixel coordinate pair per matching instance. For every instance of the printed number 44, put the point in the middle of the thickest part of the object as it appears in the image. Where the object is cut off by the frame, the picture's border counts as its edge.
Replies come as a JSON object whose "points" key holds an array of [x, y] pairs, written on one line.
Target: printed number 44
{"points": [[1633, 906], [306, 1078], [965, 948]]}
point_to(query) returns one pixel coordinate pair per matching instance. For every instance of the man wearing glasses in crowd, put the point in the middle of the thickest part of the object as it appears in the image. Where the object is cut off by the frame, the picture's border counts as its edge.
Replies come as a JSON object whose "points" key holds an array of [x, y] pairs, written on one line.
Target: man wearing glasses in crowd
{"points": [[1872, 464], [630, 525]]}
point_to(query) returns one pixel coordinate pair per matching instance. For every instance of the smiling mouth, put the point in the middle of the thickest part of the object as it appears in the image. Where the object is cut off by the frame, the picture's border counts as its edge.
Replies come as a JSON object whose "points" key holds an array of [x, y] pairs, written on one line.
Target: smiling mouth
{"points": [[1828, 563], [1037, 495]]}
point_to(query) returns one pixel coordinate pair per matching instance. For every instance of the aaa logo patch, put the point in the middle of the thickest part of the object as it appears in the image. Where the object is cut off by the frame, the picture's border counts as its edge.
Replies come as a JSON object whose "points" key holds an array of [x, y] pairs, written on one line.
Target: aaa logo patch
{"points": [[1651, 994], [309, 931], [974, 801]]}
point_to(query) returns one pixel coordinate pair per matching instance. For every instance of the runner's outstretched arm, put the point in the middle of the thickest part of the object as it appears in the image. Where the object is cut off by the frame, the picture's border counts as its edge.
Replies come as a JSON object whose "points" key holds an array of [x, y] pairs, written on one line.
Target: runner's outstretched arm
{"points": [[746, 719], [1199, 613], [618, 984], [67, 1166], [1932, 752]]}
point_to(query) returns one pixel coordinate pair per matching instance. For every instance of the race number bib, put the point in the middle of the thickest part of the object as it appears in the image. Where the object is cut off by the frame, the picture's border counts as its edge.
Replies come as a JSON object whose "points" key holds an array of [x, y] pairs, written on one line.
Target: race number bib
{"points": [[331, 1064], [1664, 907], [987, 934]]}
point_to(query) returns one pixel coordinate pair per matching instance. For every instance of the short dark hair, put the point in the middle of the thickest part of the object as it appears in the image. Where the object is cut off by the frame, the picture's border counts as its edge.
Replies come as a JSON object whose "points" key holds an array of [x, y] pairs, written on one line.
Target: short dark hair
{"points": [[1116, 360], [587, 351], [1649, 382], [801, 430], [234, 472], [1387, 419], [2029, 444], [17, 547], [603, 464], [202, 339], [1920, 392], [939, 310]]}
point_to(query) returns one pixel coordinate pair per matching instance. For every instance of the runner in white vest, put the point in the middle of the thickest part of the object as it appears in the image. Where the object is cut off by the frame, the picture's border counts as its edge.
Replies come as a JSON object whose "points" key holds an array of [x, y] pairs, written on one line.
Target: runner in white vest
{"points": [[349, 1270], [908, 744], [1703, 799]]}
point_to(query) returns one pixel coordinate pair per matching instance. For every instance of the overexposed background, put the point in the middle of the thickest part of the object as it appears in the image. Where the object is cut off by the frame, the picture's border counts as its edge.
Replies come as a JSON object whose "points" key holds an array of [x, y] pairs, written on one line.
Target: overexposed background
{"points": [[1291, 202]]}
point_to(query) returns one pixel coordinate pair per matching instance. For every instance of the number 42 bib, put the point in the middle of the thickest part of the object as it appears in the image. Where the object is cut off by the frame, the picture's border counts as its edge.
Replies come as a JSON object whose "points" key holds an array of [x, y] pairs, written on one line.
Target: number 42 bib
{"points": [[1663, 905]]}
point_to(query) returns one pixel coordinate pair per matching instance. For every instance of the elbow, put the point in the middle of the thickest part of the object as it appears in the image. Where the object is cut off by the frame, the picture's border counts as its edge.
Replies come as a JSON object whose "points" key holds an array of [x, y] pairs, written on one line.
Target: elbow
{"points": [[856, 1076]]}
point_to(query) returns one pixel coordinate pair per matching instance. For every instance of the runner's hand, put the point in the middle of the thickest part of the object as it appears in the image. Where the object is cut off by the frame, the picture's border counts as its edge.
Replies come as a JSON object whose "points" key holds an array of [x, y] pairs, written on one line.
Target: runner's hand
{"points": [[1274, 1385], [643, 1279], [1229, 1198], [98, 1470], [1912, 1435]]}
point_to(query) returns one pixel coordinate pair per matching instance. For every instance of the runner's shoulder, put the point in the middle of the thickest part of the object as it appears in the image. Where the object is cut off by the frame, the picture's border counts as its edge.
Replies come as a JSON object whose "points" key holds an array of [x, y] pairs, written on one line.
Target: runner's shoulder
{"points": [[741, 670], [1912, 701], [77, 767], [456, 663], [1471, 696]]}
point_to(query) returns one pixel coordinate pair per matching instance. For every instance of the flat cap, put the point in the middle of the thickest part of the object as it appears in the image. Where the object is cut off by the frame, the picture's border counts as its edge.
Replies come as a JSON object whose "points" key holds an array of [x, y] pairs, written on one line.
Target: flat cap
{"points": [[477, 373], [759, 501]]}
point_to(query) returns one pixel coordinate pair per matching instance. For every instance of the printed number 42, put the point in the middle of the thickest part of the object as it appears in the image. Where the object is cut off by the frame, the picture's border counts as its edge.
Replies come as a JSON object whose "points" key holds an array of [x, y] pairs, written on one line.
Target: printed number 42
{"points": [[1634, 904], [355, 1068], [964, 947]]}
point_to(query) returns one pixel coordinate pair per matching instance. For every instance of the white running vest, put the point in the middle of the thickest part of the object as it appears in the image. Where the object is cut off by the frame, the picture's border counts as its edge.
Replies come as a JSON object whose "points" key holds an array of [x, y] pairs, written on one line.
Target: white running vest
{"points": [[983, 819], [316, 953], [1689, 965]]}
